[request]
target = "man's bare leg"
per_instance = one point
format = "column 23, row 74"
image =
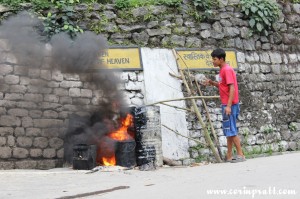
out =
column 229, row 148
column 237, row 143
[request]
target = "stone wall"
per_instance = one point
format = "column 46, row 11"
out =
column 35, row 105
column 268, row 76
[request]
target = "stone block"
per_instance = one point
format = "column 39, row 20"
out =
column 137, row 101
column 275, row 58
column 5, row 152
column 276, row 69
column 50, row 114
column 10, row 141
column 74, row 92
column 35, row 113
column 18, row 112
column 57, row 76
column 40, row 142
column 6, row 69
column 86, row 93
column 20, row 70
column 4, row 87
column 265, row 58
column 36, row 153
column 56, row 143
column 7, row 165
column 18, row 89
column 293, row 58
column 46, row 164
column 48, row 105
column 24, row 142
column 49, row 153
column 38, row 89
column 70, row 108
column 188, row 162
column 133, row 86
column 293, row 146
column 46, row 123
column 2, row 141
column 223, row 141
column 70, row 84
column 11, row 79
column 13, row 96
column 20, row 153
column 81, row 101
column 98, row 93
column 33, row 72
column 63, row 114
column 26, row 164
column 60, row 153
column 53, row 84
column 65, row 100
column 46, row 74
column 29, row 105
column 241, row 57
column 156, row 32
column 33, row 132
column 51, row 98
column 38, row 82
column 53, row 132
column 8, row 120
column 71, row 77
column 27, row 122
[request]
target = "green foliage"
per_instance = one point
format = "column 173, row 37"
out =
column 295, row 1
column 267, row 129
column 292, row 126
column 205, row 6
column 261, row 13
column 122, row 4
column 62, row 20
column 99, row 26
column 36, row 4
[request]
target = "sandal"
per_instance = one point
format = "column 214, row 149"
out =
column 229, row 160
column 238, row 158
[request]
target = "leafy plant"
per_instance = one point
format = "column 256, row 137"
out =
column 292, row 126
column 122, row 4
column 36, row 4
column 205, row 6
column 63, row 19
column 267, row 129
column 262, row 14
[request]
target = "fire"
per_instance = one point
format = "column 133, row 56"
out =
column 121, row 134
column 109, row 161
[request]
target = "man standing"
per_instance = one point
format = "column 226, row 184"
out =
column 229, row 95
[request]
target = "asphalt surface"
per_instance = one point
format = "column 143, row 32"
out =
column 268, row 177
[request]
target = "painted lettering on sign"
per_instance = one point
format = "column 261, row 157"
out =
column 201, row 59
column 122, row 58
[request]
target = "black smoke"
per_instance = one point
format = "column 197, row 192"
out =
column 78, row 56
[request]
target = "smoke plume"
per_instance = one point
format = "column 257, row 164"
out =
column 78, row 56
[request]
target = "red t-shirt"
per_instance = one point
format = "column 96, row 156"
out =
column 227, row 76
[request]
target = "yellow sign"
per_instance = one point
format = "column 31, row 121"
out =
column 122, row 58
column 201, row 59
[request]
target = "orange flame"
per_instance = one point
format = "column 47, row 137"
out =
column 122, row 134
column 119, row 135
column 109, row 161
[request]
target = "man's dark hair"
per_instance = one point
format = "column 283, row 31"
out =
column 219, row 53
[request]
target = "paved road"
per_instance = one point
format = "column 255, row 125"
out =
column 269, row 177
